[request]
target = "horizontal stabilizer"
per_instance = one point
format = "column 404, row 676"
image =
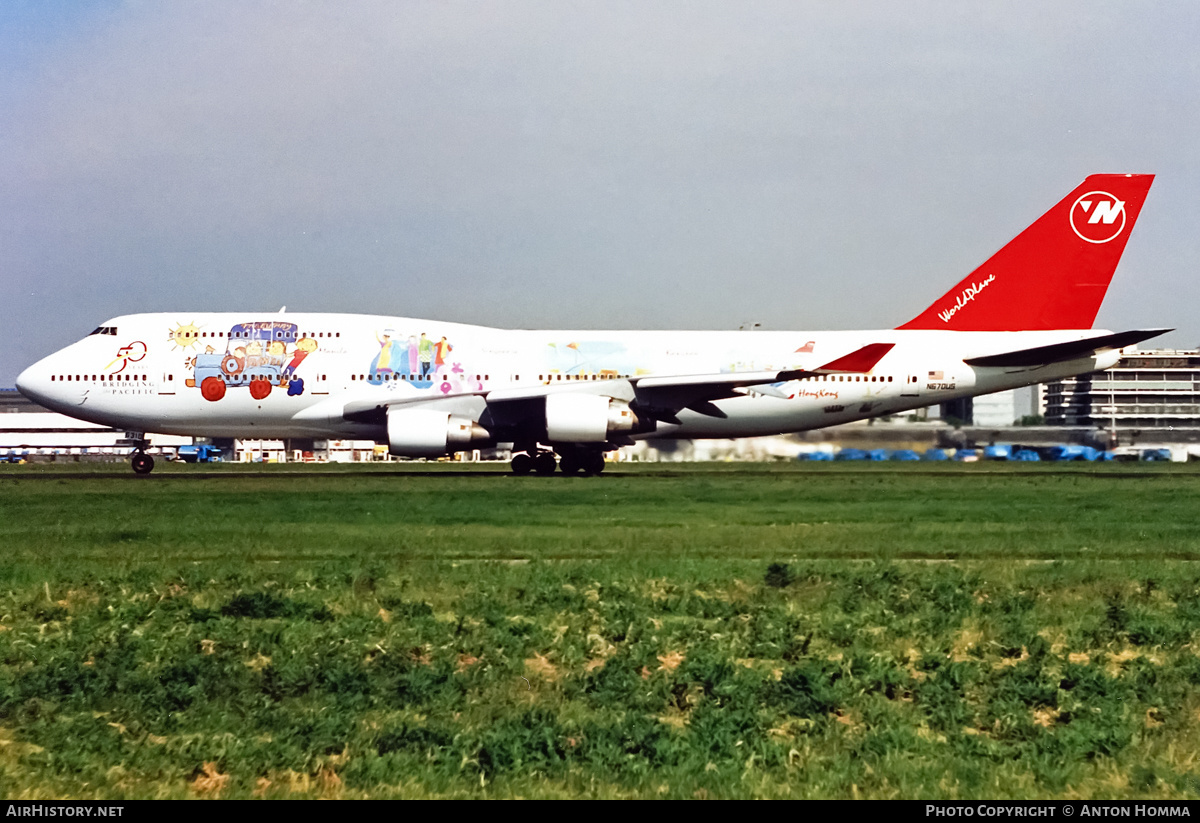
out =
column 858, row 362
column 1073, row 350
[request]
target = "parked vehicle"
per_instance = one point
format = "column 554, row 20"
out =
column 198, row 454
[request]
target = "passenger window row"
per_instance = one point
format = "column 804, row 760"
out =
column 103, row 378
column 600, row 376
column 846, row 378
column 280, row 335
column 415, row 378
column 831, row 378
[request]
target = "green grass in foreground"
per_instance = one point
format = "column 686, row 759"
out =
column 353, row 635
column 677, row 513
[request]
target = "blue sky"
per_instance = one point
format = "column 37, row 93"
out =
column 575, row 165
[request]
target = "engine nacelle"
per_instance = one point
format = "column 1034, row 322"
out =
column 426, row 433
column 586, row 418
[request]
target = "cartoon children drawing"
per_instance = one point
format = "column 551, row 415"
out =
column 413, row 360
column 304, row 347
column 425, row 350
column 391, row 357
column 254, row 356
column 440, row 350
column 276, row 352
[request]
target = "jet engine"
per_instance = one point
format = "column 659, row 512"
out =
column 586, row 418
column 427, row 433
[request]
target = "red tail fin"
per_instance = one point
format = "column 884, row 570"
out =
column 1054, row 274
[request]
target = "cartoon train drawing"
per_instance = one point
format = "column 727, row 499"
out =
column 258, row 355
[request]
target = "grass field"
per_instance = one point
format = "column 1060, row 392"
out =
column 691, row 631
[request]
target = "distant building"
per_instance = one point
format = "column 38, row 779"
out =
column 1148, row 395
column 36, row 434
column 958, row 412
column 13, row 402
column 28, row 431
column 1030, row 401
column 995, row 410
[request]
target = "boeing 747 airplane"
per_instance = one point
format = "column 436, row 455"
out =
column 428, row 388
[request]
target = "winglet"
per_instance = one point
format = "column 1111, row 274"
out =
column 860, row 361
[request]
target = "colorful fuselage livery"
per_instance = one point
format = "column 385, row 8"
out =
column 427, row 388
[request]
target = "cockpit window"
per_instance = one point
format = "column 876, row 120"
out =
column 105, row 330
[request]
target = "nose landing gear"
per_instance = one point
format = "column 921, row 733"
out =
column 141, row 462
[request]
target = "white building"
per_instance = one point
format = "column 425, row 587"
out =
column 1148, row 393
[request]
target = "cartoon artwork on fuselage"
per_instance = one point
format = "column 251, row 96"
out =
column 257, row 355
column 184, row 336
column 417, row 361
column 594, row 358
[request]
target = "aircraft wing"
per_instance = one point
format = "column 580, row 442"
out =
column 661, row 397
column 1072, row 350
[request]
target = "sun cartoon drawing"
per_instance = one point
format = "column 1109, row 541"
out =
column 185, row 335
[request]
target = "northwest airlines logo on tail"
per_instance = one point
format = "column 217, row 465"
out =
column 1098, row 217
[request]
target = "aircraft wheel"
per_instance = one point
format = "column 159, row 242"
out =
column 212, row 388
column 569, row 464
column 593, row 463
column 522, row 464
column 544, row 464
column 260, row 389
column 142, row 463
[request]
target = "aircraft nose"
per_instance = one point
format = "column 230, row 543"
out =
column 30, row 383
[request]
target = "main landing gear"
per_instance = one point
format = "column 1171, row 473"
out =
column 541, row 462
column 582, row 461
column 573, row 461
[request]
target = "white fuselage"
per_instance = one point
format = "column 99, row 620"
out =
column 147, row 372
